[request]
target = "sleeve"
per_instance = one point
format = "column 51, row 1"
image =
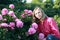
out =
column 54, row 28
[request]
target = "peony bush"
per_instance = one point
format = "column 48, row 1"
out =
column 14, row 26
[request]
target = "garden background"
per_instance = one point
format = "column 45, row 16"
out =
column 50, row 7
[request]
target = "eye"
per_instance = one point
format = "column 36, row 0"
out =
column 35, row 13
column 38, row 12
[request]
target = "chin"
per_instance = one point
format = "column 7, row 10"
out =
column 38, row 18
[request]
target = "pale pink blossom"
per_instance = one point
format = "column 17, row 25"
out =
column 11, row 6
column 11, row 13
column 44, row 39
column 41, row 36
column 31, row 31
column 0, row 25
column 4, row 19
column 12, row 24
column 19, row 24
column 12, row 28
column 29, row 13
column 1, row 17
column 4, row 25
column 26, row 11
column 23, row 15
column 14, row 16
column 34, row 25
column 4, row 11
column 26, row 33
column 17, row 20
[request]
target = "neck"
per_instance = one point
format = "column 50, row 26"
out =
column 41, row 20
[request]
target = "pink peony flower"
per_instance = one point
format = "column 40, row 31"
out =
column 4, row 25
column 11, row 13
column 44, row 39
column 26, row 11
column 14, row 17
column 26, row 33
column 29, row 13
column 0, row 25
column 23, row 15
column 17, row 20
column 4, row 19
column 12, row 24
column 35, row 25
column 12, row 28
column 4, row 11
column 1, row 17
column 11, row 6
column 31, row 31
column 41, row 36
column 19, row 24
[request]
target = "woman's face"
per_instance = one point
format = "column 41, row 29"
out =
column 38, row 14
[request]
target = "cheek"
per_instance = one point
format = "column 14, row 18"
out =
column 40, row 15
column 37, row 15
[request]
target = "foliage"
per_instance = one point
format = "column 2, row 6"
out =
column 52, row 9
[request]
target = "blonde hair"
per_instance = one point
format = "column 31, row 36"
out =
column 33, row 14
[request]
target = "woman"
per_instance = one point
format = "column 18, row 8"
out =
column 46, row 25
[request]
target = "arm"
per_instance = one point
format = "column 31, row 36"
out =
column 54, row 28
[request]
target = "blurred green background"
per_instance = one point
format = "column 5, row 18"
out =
column 50, row 7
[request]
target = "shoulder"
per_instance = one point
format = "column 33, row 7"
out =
column 49, row 19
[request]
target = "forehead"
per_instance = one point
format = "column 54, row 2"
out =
column 37, row 10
